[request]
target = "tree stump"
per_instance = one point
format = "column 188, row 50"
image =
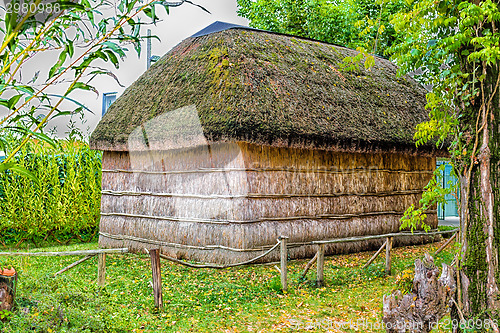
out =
column 430, row 299
column 8, row 279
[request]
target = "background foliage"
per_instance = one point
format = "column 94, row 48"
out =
column 349, row 23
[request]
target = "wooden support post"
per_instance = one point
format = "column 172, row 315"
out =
column 283, row 260
column 74, row 264
column 309, row 265
column 101, row 269
column 63, row 253
column 375, row 255
column 388, row 248
column 445, row 244
column 320, row 265
column 156, row 270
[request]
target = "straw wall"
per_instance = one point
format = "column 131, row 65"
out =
column 228, row 202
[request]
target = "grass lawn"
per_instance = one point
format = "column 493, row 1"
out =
column 246, row 299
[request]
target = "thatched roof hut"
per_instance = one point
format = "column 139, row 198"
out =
column 237, row 136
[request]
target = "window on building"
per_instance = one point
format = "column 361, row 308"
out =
column 450, row 209
column 107, row 100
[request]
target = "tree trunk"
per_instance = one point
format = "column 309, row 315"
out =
column 479, row 166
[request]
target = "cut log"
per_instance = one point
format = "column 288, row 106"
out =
column 7, row 290
column 430, row 299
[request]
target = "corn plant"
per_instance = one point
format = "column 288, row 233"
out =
column 62, row 203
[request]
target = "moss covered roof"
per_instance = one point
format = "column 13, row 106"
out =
column 267, row 88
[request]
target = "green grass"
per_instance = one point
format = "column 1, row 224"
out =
column 245, row 299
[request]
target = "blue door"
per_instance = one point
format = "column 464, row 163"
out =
column 447, row 179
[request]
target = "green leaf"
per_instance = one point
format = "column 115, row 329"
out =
column 414, row 52
column 40, row 136
column 70, row 48
column 115, row 47
column 13, row 101
column 100, row 54
column 80, row 105
column 19, row 169
column 62, row 114
column 4, row 144
column 130, row 6
column 136, row 30
column 70, row 5
column 25, row 89
column 82, row 86
column 62, row 57
column 369, row 62
column 112, row 57
column 151, row 12
column 148, row 12
column 137, row 47
column 432, row 42
column 89, row 10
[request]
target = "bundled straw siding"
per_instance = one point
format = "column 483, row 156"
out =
column 243, row 196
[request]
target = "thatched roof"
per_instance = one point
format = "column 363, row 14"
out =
column 273, row 89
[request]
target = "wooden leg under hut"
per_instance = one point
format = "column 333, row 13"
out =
column 156, row 272
column 320, row 266
column 283, row 262
column 101, row 269
column 388, row 248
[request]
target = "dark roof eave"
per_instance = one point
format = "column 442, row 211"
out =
column 350, row 146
